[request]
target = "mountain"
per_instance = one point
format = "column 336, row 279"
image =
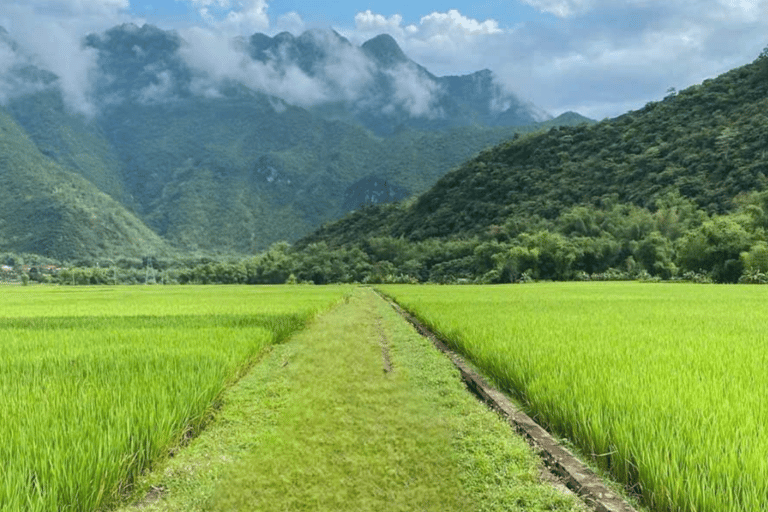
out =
column 229, row 146
column 706, row 144
column 48, row 210
column 390, row 90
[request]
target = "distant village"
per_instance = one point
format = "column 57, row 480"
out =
column 25, row 273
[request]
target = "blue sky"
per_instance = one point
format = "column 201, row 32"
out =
column 598, row 57
column 342, row 13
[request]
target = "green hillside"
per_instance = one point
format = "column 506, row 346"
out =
column 709, row 143
column 676, row 187
column 236, row 174
column 74, row 143
column 48, row 210
column 216, row 167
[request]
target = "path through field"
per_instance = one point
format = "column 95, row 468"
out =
column 359, row 413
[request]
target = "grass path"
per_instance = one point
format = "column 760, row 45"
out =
column 355, row 413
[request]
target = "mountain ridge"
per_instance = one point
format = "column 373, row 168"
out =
column 212, row 164
column 705, row 143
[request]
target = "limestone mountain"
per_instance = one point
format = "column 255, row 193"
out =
column 230, row 153
column 49, row 210
column 706, row 144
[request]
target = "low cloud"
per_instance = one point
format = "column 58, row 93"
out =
column 11, row 64
column 415, row 93
column 345, row 73
column 598, row 57
column 160, row 91
column 51, row 33
column 217, row 59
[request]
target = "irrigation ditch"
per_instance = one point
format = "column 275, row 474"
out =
column 560, row 461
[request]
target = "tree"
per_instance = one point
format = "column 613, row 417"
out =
column 756, row 260
column 655, row 254
column 716, row 247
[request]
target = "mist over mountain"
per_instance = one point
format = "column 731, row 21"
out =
column 228, row 145
column 375, row 85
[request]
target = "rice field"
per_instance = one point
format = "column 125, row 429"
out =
column 663, row 385
column 97, row 383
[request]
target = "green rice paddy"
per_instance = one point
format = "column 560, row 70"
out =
column 664, row 385
column 97, row 383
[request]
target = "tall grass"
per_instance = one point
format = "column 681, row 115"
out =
column 663, row 385
column 97, row 383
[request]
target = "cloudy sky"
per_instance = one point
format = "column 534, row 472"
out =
column 598, row 57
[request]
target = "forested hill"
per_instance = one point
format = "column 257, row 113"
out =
column 48, row 209
column 676, row 190
column 709, row 143
column 224, row 164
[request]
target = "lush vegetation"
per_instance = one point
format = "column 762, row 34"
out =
column 225, row 174
column 662, row 385
column 48, row 209
column 97, row 384
column 610, row 242
column 675, row 189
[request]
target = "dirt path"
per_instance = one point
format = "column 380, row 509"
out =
column 358, row 412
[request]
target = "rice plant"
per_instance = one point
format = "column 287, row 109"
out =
column 663, row 385
column 98, row 383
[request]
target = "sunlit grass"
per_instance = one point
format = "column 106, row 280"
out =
column 97, row 383
column 665, row 385
column 319, row 424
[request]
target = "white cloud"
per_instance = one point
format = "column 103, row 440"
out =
column 290, row 22
column 444, row 42
column 208, row 3
column 367, row 22
column 65, row 8
column 347, row 70
column 599, row 56
column 160, row 91
column 561, row 8
column 251, row 17
column 11, row 83
column 454, row 23
column 415, row 92
column 51, row 32
column 217, row 59
column 242, row 17
column 436, row 26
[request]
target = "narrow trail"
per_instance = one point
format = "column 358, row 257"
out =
column 358, row 412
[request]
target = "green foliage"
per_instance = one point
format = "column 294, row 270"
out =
column 223, row 175
column 756, row 259
column 706, row 144
column 716, row 247
column 48, row 210
column 675, row 190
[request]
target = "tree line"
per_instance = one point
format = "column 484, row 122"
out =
column 611, row 241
